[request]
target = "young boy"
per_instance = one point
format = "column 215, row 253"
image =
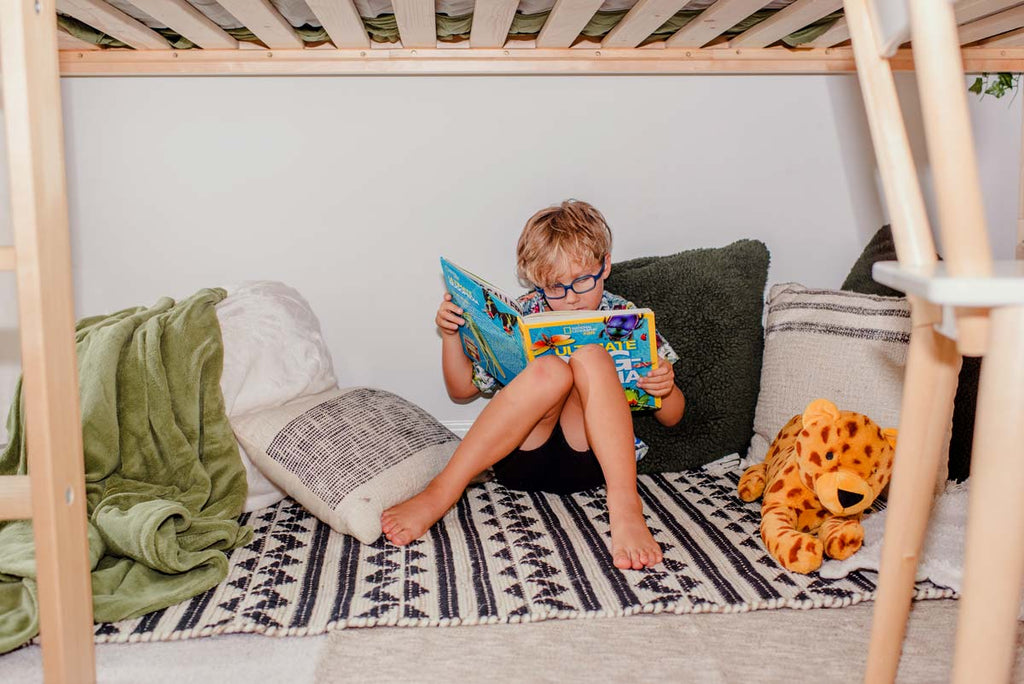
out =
column 556, row 427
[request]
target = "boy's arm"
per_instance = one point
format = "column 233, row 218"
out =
column 660, row 382
column 672, row 408
column 455, row 366
column 457, row 369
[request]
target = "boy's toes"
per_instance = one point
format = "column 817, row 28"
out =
column 398, row 535
column 622, row 560
column 635, row 557
column 390, row 530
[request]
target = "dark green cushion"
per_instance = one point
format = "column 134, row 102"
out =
column 707, row 303
column 882, row 248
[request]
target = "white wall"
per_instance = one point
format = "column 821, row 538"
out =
column 350, row 188
column 997, row 126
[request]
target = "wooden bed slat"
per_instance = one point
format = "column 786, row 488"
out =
column 188, row 22
column 342, row 22
column 713, row 22
column 491, row 22
column 838, row 33
column 1013, row 39
column 114, row 22
column 642, row 20
column 567, row 19
column 785, row 21
column 15, row 497
column 968, row 10
column 66, row 41
column 7, row 259
column 266, row 23
column 417, row 23
column 992, row 25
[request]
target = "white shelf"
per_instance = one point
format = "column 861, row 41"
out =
column 1004, row 287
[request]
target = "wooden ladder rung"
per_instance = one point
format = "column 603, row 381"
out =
column 7, row 259
column 15, row 497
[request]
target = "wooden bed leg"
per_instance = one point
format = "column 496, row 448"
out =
column 994, row 552
column 53, row 427
column 930, row 384
column 1018, row 250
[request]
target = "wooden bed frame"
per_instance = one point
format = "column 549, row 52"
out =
column 981, row 300
column 993, row 29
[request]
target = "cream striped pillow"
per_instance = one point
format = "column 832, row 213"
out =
column 846, row 347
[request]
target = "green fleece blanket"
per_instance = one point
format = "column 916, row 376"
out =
column 164, row 482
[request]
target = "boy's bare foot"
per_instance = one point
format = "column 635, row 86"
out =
column 633, row 546
column 411, row 519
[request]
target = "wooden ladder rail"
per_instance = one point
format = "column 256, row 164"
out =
column 933, row 362
column 982, row 314
column 53, row 494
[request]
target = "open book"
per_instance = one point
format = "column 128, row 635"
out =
column 501, row 339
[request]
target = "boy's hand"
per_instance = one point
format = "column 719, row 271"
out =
column 449, row 316
column 660, row 381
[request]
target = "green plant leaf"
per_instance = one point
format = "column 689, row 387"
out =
column 996, row 85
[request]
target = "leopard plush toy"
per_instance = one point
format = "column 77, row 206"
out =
column 823, row 469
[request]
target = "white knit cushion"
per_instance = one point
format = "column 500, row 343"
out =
column 846, row 347
column 347, row 454
column 274, row 353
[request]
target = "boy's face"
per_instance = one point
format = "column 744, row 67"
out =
column 568, row 272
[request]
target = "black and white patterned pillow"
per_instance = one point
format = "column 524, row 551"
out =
column 846, row 347
column 347, row 454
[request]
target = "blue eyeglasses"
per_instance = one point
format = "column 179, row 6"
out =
column 579, row 286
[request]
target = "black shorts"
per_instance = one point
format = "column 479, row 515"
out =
column 553, row 467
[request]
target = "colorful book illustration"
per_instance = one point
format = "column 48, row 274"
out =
column 501, row 339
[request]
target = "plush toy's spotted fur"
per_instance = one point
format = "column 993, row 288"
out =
column 823, row 469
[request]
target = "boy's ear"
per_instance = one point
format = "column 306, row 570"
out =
column 607, row 265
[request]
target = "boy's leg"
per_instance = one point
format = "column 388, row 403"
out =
column 596, row 413
column 522, row 414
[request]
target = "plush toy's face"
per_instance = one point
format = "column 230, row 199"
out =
column 844, row 457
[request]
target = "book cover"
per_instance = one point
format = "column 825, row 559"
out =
column 498, row 337
column 493, row 333
column 626, row 334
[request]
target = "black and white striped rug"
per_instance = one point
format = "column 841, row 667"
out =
column 501, row 556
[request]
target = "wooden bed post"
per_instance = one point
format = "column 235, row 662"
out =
column 986, row 299
column 933, row 363
column 1019, row 247
column 42, row 259
column 994, row 551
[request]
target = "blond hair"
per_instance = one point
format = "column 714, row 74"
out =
column 573, row 230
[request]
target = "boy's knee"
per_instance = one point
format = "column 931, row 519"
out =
column 552, row 372
column 591, row 356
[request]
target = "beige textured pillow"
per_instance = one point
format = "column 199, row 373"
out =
column 846, row 347
column 347, row 454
